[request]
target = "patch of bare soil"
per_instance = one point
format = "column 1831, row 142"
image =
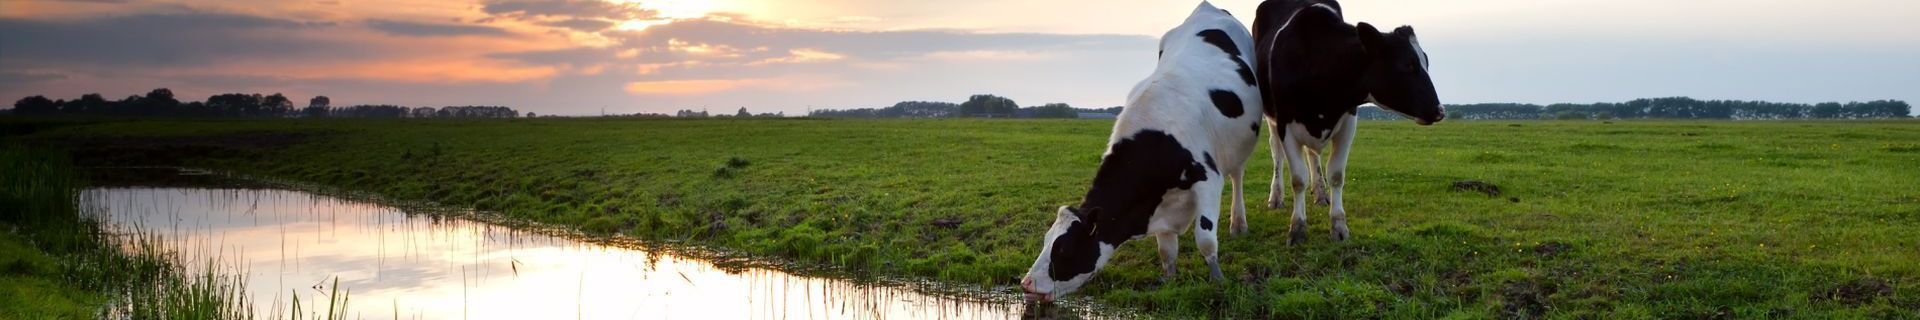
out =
column 1483, row 187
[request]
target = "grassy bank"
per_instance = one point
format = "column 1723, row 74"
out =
column 1615, row 220
column 57, row 263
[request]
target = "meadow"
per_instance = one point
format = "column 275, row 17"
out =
column 1619, row 220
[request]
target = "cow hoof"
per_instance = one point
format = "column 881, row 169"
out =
column 1217, row 276
column 1238, row 229
column 1339, row 231
column 1273, row 203
column 1297, row 236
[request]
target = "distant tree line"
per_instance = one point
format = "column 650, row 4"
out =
column 976, row 106
column 1669, row 108
column 703, row 114
column 162, row 103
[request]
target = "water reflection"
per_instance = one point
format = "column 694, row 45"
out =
column 424, row 267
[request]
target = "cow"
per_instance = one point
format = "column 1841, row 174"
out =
column 1315, row 70
column 1185, row 132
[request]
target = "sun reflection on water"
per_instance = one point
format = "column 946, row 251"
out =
column 427, row 267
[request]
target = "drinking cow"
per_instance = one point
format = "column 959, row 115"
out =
column 1185, row 133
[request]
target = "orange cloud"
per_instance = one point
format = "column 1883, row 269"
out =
column 685, row 87
column 711, row 86
column 409, row 70
column 801, row 56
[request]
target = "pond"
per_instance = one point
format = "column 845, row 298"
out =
column 392, row 263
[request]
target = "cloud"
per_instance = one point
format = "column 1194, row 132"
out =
column 417, row 29
column 149, row 40
column 165, row 46
column 20, row 78
column 989, row 55
column 566, row 9
column 673, row 64
column 789, row 84
column 714, row 43
column 582, row 25
column 861, row 44
column 568, row 56
column 802, row 56
column 684, row 87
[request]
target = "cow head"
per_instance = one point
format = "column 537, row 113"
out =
column 1396, row 77
column 1069, row 255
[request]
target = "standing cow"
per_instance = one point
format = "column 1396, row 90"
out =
column 1184, row 129
column 1315, row 70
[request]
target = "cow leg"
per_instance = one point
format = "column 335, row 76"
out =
column 1319, row 177
column 1169, row 248
column 1337, row 167
column 1207, row 204
column 1239, row 224
column 1279, row 150
column 1297, row 168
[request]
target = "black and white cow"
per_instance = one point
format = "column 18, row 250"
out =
column 1315, row 70
column 1185, row 132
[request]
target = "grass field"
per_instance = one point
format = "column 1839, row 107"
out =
column 1595, row 220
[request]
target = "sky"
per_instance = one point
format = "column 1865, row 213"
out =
column 585, row 57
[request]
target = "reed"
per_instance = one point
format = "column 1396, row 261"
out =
column 128, row 275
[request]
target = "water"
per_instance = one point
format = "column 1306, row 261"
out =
column 411, row 266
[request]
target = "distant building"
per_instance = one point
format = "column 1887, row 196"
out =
column 1098, row 115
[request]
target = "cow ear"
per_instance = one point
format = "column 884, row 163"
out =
column 1370, row 37
column 1404, row 30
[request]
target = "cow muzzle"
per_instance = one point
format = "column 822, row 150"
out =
column 1436, row 119
column 1026, row 285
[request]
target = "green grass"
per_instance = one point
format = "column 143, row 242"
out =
column 58, row 263
column 30, row 286
column 1621, row 220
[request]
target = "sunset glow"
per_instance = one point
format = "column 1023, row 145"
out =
column 676, row 9
column 558, row 56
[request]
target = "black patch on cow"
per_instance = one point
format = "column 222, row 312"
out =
column 1256, row 127
column 1228, row 103
column 1133, row 177
column 1206, row 224
column 1246, row 73
column 1310, row 71
column 1209, row 157
column 1220, row 40
column 1074, row 252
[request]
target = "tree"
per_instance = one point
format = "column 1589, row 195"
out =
column 531, row 115
column 1055, row 110
column 421, row 112
column 1827, row 110
column 320, row 102
column 234, row 104
column 318, row 107
column 88, row 103
column 159, row 102
column 35, row 105
column 987, row 105
column 743, row 113
column 276, row 105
